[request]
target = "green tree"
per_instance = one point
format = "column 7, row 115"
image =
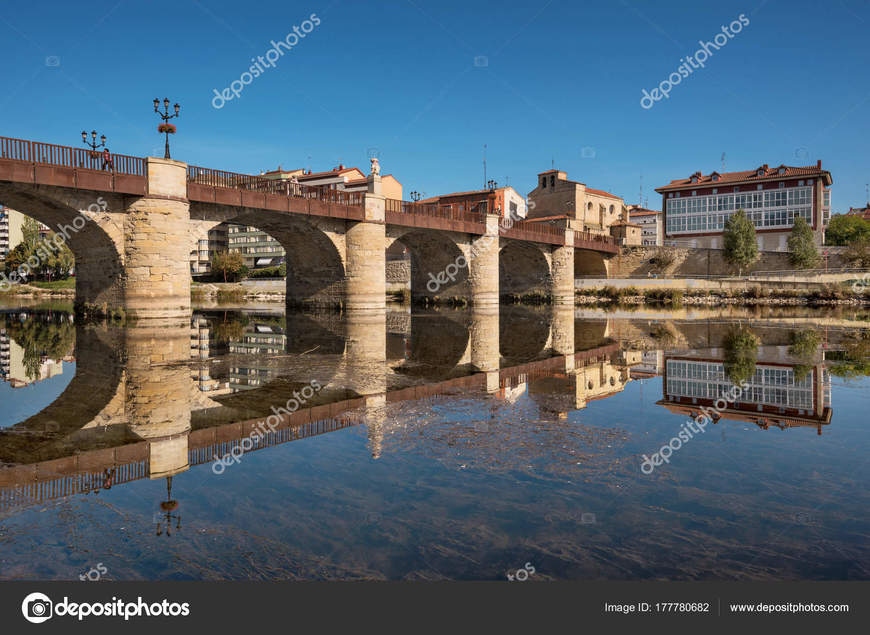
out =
column 741, row 249
column 228, row 264
column 803, row 252
column 846, row 228
column 741, row 354
column 858, row 252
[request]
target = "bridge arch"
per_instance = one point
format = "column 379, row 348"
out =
column 92, row 228
column 523, row 269
column 588, row 263
column 439, row 264
column 314, row 249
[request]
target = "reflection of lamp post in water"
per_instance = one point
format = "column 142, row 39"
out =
column 167, row 507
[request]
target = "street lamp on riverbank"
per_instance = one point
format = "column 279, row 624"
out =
column 166, row 127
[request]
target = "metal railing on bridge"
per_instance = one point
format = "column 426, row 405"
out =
column 448, row 212
column 281, row 187
column 36, row 152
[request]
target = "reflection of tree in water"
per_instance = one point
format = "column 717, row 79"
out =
column 804, row 347
column 42, row 336
column 513, row 437
column 741, row 354
column 230, row 328
column 854, row 361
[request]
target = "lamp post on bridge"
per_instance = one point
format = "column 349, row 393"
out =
column 166, row 127
column 93, row 145
column 415, row 196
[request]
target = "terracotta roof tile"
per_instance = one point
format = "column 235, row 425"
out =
column 589, row 190
column 759, row 174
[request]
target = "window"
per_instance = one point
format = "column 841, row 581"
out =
column 781, row 184
column 552, row 180
column 611, row 209
column 543, row 181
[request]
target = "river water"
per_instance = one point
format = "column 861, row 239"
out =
column 257, row 444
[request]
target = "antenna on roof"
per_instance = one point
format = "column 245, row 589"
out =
column 723, row 161
column 867, row 190
column 640, row 191
column 484, row 166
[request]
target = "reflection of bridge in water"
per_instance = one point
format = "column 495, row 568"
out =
column 134, row 410
column 136, row 407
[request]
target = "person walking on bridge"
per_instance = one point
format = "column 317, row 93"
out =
column 107, row 161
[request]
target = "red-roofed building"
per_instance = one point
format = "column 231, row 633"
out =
column 863, row 212
column 501, row 200
column 585, row 208
column 696, row 208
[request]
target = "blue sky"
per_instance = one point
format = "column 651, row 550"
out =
column 561, row 81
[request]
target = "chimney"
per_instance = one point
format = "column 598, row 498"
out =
column 819, row 163
column 764, row 166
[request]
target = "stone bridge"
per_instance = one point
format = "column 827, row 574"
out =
column 133, row 225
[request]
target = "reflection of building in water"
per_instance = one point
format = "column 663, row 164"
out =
column 780, row 394
column 259, row 339
column 5, row 360
column 599, row 381
column 514, row 388
column 651, row 365
column 200, row 349
column 573, row 390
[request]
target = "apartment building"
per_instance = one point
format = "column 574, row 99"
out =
column 216, row 241
column 11, row 230
column 696, row 208
column 650, row 221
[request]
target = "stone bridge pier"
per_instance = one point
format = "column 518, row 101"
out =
column 131, row 252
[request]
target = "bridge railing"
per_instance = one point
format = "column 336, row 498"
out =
column 434, row 210
column 580, row 237
column 284, row 187
column 37, row 152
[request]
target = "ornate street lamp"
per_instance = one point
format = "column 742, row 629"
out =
column 93, row 145
column 415, row 196
column 491, row 185
column 166, row 127
column 167, row 507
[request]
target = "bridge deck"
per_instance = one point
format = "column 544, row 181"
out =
column 37, row 163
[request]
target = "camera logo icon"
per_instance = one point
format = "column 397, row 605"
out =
column 36, row 608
